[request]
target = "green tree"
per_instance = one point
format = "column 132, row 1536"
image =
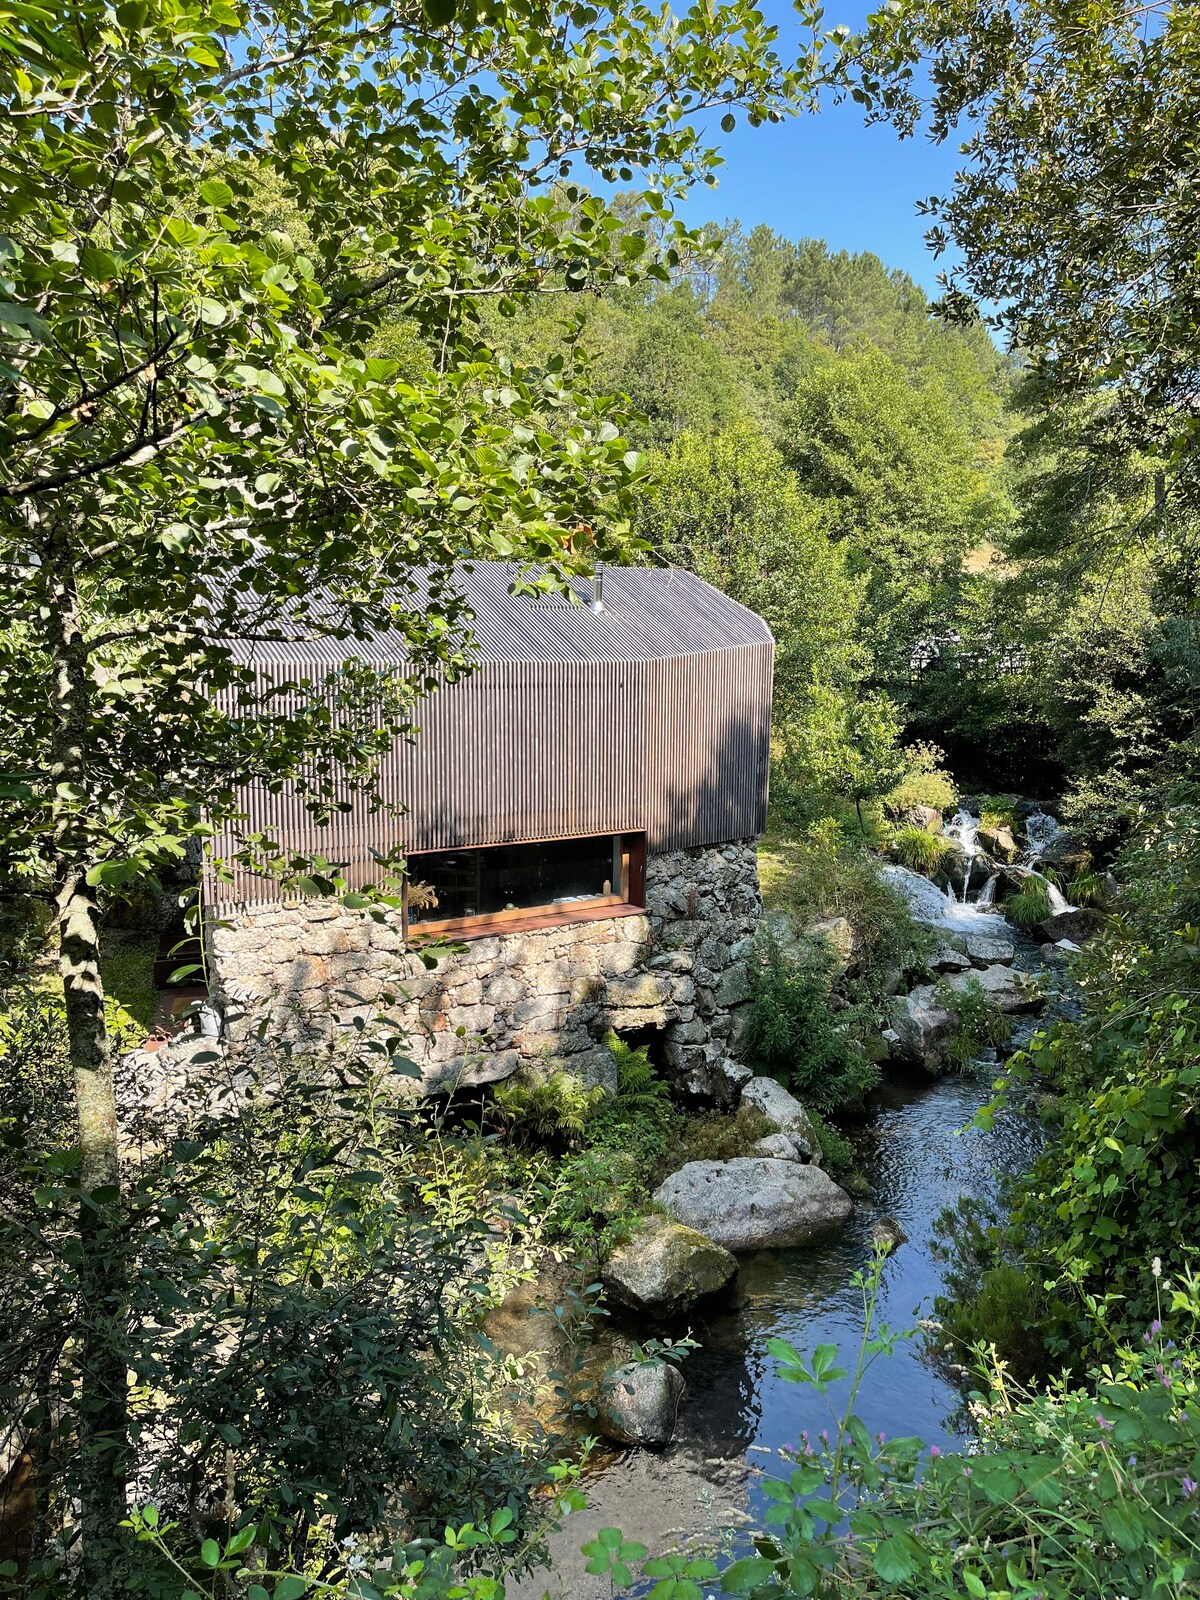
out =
column 728, row 509
column 903, row 486
column 1071, row 215
column 202, row 442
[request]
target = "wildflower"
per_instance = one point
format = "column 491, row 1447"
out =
column 1133, row 1461
column 1187, row 1487
column 881, row 1436
column 934, row 1450
column 1156, row 1266
column 1104, row 1423
column 1156, row 1326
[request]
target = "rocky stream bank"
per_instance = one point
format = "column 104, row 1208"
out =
column 764, row 1244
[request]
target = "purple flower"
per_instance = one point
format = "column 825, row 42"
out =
column 1187, row 1487
column 1133, row 1461
column 934, row 1450
column 1155, row 1326
column 881, row 1436
column 1105, row 1423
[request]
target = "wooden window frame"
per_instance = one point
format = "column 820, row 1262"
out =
column 630, row 902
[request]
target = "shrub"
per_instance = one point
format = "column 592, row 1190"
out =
column 636, row 1127
column 977, row 1023
column 997, row 811
column 837, row 1153
column 721, row 1136
column 919, row 849
column 820, row 875
column 1087, row 889
column 790, row 1032
column 1029, row 906
column 300, row 1323
column 925, row 781
column 1078, row 1492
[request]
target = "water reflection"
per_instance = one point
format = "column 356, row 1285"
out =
column 920, row 1155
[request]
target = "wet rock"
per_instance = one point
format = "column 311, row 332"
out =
column 665, row 1268
column 985, row 950
column 1078, row 925
column 946, row 958
column 921, row 1027
column 1067, row 852
column 888, row 1234
column 639, row 1403
column 781, row 1109
column 999, row 844
column 924, row 1025
column 954, row 870
column 1011, row 991
column 754, row 1202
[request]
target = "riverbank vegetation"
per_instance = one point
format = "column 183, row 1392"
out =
column 400, row 331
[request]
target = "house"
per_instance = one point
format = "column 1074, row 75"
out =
column 579, row 818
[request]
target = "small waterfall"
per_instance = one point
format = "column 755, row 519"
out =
column 1041, row 830
column 965, row 913
column 1058, row 900
column 1055, row 898
column 965, row 829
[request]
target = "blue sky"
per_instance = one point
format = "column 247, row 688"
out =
column 828, row 176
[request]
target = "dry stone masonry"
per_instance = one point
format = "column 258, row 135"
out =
column 524, row 999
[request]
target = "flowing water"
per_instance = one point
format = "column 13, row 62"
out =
column 921, row 1154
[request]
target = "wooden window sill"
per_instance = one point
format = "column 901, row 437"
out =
column 521, row 922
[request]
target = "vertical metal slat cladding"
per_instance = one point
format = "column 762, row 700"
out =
column 652, row 715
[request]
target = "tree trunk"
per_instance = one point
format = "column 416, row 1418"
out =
column 103, row 1356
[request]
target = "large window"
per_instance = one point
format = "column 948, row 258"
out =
column 509, row 882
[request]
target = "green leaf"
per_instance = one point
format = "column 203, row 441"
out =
column 290, row 1588
column 215, row 193
column 893, row 1562
column 210, row 1552
column 747, row 1574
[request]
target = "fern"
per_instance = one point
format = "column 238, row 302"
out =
column 551, row 1111
column 639, row 1087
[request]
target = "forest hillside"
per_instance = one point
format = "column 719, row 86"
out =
column 654, row 1203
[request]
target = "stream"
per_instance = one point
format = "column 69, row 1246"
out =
column 920, row 1154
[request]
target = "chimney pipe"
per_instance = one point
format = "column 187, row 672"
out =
column 598, row 590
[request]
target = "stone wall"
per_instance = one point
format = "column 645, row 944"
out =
column 676, row 972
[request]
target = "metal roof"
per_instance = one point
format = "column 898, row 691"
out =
column 648, row 613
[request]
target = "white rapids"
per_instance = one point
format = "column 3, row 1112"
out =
column 943, row 909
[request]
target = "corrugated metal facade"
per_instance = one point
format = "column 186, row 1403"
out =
column 652, row 715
